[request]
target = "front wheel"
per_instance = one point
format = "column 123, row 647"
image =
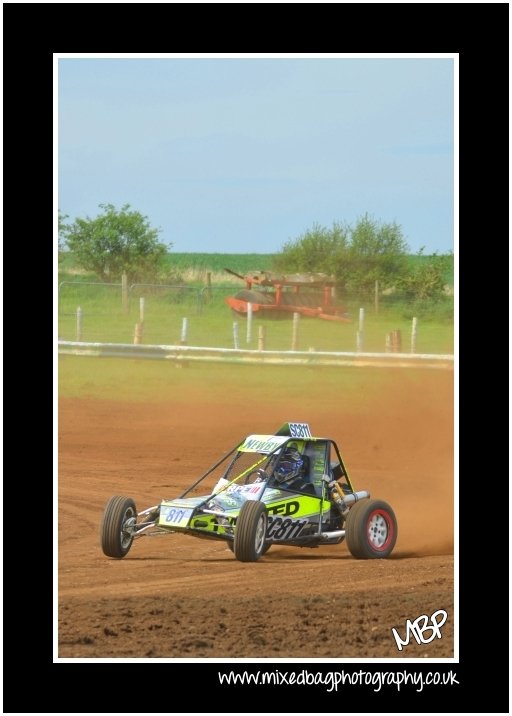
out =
column 116, row 534
column 251, row 528
column 371, row 529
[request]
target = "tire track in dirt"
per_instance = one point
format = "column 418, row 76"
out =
column 401, row 450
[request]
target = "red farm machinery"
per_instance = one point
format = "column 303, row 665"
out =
column 275, row 295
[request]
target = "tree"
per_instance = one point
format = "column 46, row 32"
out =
column 426, row 280
column 378, row 252
column 116, row 242
column 314, row 251
column 63, row 228
column 356, row 257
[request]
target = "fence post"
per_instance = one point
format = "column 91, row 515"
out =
column 249, row 322
column 235, row 336
column 137, row 336
column 183, row 342
column 200, row 301
column 261, row 338
column 376, row 298
column 79, row 317
column 396, row 341
column 209, row 285
column 295, row 331
column 184, row 332
column 388, row 342
column 360, row 332
column 141, row 309
column 124, row 291
column 414, row 334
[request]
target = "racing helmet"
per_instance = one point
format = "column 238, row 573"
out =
column 290, row 465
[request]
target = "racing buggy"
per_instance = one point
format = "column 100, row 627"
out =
column 289, row 488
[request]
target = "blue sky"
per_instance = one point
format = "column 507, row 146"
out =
column 241, row 155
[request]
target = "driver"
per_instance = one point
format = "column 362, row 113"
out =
column 292, row 469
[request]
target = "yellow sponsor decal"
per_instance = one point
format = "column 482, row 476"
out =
column 297, row 506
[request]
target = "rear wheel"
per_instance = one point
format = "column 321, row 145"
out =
column 116, row 535
column 371, row 529
column 251, row 529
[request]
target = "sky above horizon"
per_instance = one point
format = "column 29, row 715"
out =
column 241, row 155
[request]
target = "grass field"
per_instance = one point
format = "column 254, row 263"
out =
column 194, row 266
column 210, row 320
column 213, row 326
column 159, row 381
column 190, row 267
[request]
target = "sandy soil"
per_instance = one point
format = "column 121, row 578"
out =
column 180, row 597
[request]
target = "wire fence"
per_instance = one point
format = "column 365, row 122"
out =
column 155, row 314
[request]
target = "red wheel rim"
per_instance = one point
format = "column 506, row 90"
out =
column 380, row 530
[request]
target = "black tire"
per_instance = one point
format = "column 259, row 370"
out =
column 250, row 531
column 371, row 529
column 115, row 540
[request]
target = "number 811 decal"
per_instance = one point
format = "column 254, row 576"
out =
column 279, row 528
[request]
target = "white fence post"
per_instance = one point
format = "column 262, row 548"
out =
column 184, row 332
column 295, row 331
column 141, row 309
column 124, row 291
column 414, row 334
column 249, row 322
column 235, row 336
column 360, row 332
column 79, row 319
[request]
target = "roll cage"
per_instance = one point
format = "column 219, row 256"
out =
column 256, row 458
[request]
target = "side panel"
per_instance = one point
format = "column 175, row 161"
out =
column 294, row 505
column 289, row 517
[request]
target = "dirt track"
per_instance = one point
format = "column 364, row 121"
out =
column 179, row 597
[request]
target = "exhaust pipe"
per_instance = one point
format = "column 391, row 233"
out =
column 355, row 497
column 343, row 501
column 332, row 537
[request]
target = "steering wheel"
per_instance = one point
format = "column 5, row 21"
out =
column 260, row 473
